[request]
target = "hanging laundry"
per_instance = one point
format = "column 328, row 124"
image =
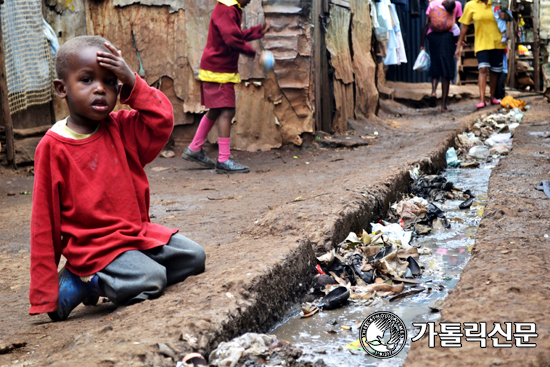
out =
column 383, row 14
column 395, row 54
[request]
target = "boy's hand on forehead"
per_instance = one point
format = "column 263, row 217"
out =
column 114, row 62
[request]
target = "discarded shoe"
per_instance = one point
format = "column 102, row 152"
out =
column 544, row 186
column 335, row 299
column 413, row 266
column 469, row 193
column 194, row 359
column 199, row 157
column 466, row 204
column 231, row 166
column 72, row 291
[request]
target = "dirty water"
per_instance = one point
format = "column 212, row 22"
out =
column 320, row 337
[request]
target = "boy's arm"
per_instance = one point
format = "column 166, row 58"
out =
column 146, row 128
column 232, row 34
column 45, row 233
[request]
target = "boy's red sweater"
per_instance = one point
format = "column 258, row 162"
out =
column 91, row 196
column 226, row 40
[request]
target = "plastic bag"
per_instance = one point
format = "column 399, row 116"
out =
column 422, row 62
column 394, row 231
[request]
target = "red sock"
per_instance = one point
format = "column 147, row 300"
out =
column 224, row 144
column 204, row 128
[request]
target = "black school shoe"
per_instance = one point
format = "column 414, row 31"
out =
column 231, row 166
column 199, row 157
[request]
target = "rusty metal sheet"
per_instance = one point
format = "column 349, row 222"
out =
column 197, row 19
column 345, row 105
column 292, row 125
column 249, row 68
column 163, row 55
column 67, row 19
column 305, row 46
column 344, row 3
column 256, row 127
column 282, row 46
column 293, row 73
column 337, row 39
column 282, row 24
column 174, row 5
column 299, row 100
column 302, row 7
column 366, row 93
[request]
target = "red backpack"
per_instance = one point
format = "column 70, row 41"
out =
column 440, row 19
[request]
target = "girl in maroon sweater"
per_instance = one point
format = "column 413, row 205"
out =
column 219, row 73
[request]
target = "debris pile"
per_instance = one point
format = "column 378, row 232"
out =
column 255, row 350
column 490, row 137
column 367, row 266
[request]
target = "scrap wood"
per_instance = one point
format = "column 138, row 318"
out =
column 223, row 198
column 408, row 293
column 396, row 289
column 404, row 280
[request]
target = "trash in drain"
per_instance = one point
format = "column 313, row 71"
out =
column 405, row 264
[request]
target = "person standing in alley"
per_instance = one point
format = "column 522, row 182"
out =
column 218, row 74
column 488, row 44
column 441, row 29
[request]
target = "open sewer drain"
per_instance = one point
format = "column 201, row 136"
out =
column 321, row 336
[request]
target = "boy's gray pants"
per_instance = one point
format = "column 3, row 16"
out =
column 135, row 276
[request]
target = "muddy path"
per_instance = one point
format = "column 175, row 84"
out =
column 507, row 278
column 260, row 232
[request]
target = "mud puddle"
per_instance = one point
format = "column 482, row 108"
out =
column 322, row 336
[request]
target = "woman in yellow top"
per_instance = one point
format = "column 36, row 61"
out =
column 488, row 46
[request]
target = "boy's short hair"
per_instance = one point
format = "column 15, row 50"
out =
column 68, row 49
column 449, row 5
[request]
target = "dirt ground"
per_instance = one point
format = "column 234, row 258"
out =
column 507, row 278
column 260, row 231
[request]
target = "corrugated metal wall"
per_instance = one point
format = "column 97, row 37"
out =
column 411, row 28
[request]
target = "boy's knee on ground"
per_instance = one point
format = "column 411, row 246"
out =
column 192, row 249
column 148, row 284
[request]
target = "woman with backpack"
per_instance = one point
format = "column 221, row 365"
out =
column 441, row 30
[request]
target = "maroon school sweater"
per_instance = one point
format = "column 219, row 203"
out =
column 226, row 40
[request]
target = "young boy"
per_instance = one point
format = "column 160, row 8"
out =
column 219, row 72
column 91, row 194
